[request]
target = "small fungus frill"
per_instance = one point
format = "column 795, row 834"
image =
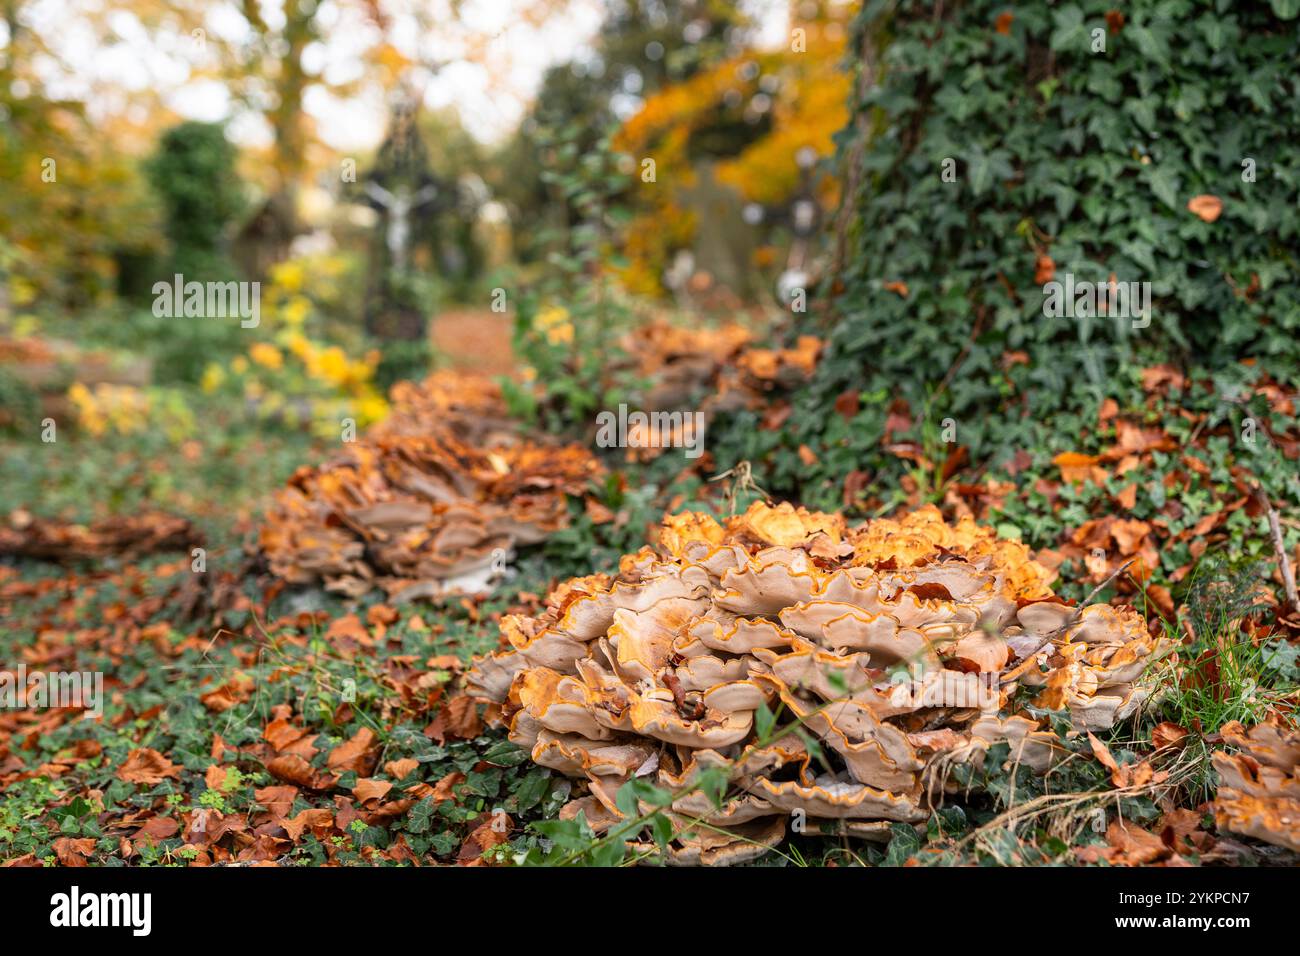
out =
column 897, row 645
column 1259, row 787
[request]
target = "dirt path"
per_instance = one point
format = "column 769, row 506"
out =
column 474, row 340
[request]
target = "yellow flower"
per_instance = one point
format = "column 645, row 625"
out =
column 332, row 365
column 554, row 321
column 296, row 310
column 360, row 370
column 21, row 291
column 288, row 275
column 239, row 365
column 213, row 376
column 550, row 316
column 297, row 343
column 79, row 395
column 371, row 409
column 266, row 355
column 560, row 334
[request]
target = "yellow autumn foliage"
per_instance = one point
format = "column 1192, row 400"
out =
column 808, row 105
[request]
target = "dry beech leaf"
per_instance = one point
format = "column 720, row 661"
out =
column 147, row 766
column 370, row 790
column 1205, row 206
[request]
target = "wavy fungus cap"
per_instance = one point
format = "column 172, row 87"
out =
column 895, row 647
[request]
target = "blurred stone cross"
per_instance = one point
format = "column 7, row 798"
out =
column 403, row 191
column 397, row 207
column 401, row 187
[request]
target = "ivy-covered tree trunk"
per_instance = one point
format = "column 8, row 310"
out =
column 1045, row 200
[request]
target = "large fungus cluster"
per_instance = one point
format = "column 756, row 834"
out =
column 428, row 502
column 886, row 652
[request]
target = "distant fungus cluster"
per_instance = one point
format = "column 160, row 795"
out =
column 708, row 370
column 886, row 652
column 431, row 501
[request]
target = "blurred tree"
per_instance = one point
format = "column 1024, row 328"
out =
column 193, row 172
column 752, row 113
column 71, row 200
column 641, row 46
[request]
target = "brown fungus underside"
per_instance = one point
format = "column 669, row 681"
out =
column 897, row 645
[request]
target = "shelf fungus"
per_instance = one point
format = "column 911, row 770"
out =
column 830, row 675
column 1259, row 787
column 433, row 500
column 708, row 369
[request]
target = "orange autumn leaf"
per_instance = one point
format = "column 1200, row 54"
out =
column 1075, row 466
column 899, row 287
column 147, row 766
column 1206, row 206
column 317, row 818
column 292, row 769
column 443, row 790
column 483, row 838
column 1128, row 497
column 368, row 789
column 399, row 769
column 458, row 718
column 215, row 777
column 157, row 828
column 1003, row 23
column 1167, row 735
column 1045, row 269
column 276, row 799
column 73, row 852
column 355, row 754
column 1103, row 755
column 280, row 734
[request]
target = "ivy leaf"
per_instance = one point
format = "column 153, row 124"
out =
column 1149, row 44
column 1164, row 183
column 1069, row 30
column 981, row 173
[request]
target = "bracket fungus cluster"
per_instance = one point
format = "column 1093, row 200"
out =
column 886, row 652
column 712, row 369
column 429, row 502
column 126, row 536
column 1259, row 787
column 682, row 360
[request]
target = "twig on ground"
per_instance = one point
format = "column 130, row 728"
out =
column 1283, row 563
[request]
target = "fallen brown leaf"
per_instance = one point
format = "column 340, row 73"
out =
column 1206, row 206
column 147, row 766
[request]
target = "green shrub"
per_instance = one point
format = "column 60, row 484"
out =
column 193, row 172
